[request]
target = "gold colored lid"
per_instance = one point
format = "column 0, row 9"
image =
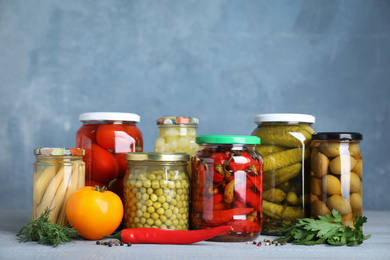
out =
column 154, row 156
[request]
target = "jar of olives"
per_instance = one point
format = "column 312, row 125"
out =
column 226, row 186
column 177, row 135
column 286, row 148
column 336, row 175
column 156, row 191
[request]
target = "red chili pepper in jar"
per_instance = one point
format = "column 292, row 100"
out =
column 219, row 217
column 167, row 236
column 240, row 162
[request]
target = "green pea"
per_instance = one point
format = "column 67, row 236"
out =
column 136, row 220
column 149, row 191
column 179, row 227
column 179, row 191
column 159, row 192
column 149, row 203
column 146, row 215
column 142, row 220
column 175, row 222
column 152, row 177
column 168, row 198
column 158, row 222
column 138, row 225
column 163, row 218
column 171, row 185
column 165, row 205
column 138, row 184
column 181, row 210
column 173, row 217
column 150, row 209
column 139, row 213
column 132, row 214
column 163, row 226
column 163, row 183
column 154, row 216
column 178, row 184
column 144, row 208
column 174, row 202
column 150, row 221
column 179, row 204
column 145, row 196
column 160, row 211
column 153, row 197
column 147, row 225
column 168, row 213
column 161, row 199
column 157, row 205
column 139, row 205
column 168, row 222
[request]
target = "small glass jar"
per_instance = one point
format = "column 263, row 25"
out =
column 226, row 186
column 286, row 148
column 336, row 175
column 157, row 191
column 58, row 172
column 177, row 135
column 106, row 138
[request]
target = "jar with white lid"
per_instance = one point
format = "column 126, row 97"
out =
column 286, row 147
column 106, row 138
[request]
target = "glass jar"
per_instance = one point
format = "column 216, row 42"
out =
column 336, row 175
column 156, row 191
column 58, row 172
column 177, row 135
column 286, row 148
column 226, row 186
column 106, row 138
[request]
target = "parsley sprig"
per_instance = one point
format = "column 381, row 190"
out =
column 44, row 232
column 327, row 229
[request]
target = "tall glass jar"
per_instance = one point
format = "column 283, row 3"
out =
column 286, row 148
column 106, row 138
column 177, row 135
column 157, row 191
column 336, row 175
column 58, row 172
column 226, row 185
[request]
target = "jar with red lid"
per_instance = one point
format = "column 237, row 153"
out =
column 106, row 138
column 226, row 185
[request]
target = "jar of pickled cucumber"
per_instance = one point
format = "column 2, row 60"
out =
column 177, row 135
column 286, row 148
column 58, row 172
column 226, row 186
column 157, row 191
column 336, row 175
column 106, row 138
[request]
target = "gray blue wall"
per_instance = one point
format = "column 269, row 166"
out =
column 221, row 61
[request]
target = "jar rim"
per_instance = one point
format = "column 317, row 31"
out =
column 284, row 117
column 109, row 116
column 179, row 120
column 228, row 139
column 156, row 156
column 57, row 151
column 337, row 136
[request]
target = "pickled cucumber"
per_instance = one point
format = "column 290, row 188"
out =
column 285, row 158
column 274, row 195
column 284, row 212
column 274, row 178
column 265, row 150
column 288, row 136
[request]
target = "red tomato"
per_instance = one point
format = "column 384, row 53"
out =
column 136, row 133
column 113, row 137
column 104, row 166
column 120, row 157
column 94, row 183
column 86, row 135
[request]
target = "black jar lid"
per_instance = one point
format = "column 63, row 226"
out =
column 337, row 136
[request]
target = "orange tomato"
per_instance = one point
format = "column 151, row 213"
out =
column 94, row 213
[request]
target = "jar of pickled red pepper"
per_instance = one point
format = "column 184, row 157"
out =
column 226, row 185
column 58, row 172
column 286, row 148
column 336, row 175
column 177, row 135
column 157, row 191
column 106, row 138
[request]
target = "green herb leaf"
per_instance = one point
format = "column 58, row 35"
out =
column 327, row 229
column 44, row 232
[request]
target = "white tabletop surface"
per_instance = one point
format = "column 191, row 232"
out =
column 377, row 247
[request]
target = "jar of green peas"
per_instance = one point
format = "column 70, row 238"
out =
column 156, row 191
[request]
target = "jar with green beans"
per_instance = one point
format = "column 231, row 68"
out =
column 156, row 191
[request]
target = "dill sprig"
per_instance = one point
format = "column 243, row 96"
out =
column 44, row 232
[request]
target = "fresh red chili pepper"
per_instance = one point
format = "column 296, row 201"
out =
column 213, row 200
column 167, row 236
column 220, row 158
column 244, row 226
column 219, row 217
column 240, row 162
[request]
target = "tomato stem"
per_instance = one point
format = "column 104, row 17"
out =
column 98, row 189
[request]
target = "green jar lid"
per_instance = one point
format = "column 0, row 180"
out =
column 59, row 151
column 227, row 139
column 155, row 156
column 179, row 120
